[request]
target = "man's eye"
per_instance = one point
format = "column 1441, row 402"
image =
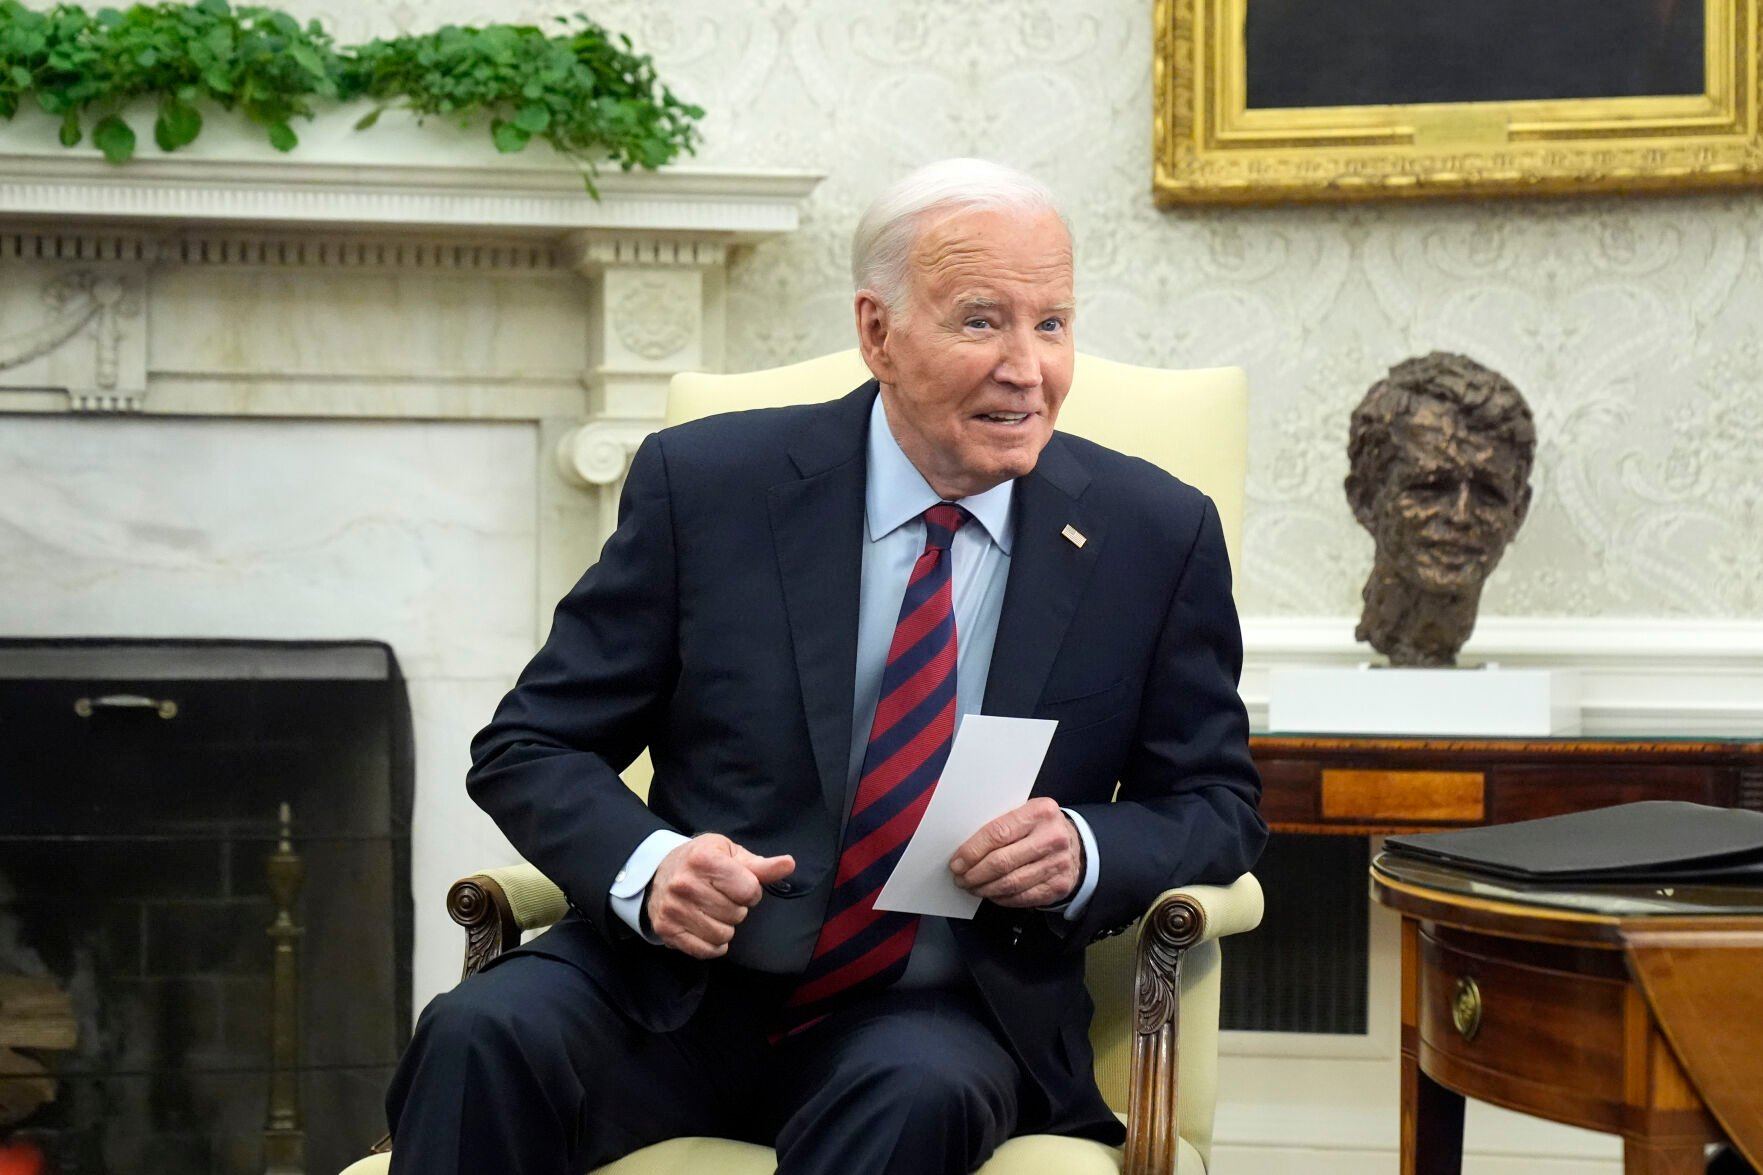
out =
column 1490, row 494
column 1054, row 323
column 978, row 323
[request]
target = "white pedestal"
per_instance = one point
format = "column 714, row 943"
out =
column 1365, row 700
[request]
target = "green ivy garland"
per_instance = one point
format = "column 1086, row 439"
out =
column 583, row 91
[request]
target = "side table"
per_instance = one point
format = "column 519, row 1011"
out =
column 1632, row 1010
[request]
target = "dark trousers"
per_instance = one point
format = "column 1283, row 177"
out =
column 526, row 1069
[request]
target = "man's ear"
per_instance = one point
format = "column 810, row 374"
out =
column 1523, row 506
column 874, row 326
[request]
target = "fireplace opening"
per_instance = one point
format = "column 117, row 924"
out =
column 148, row 877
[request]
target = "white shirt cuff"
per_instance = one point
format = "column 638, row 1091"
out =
column 632, row 881
column 1073, row 907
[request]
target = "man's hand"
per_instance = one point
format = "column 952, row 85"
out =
column 703, row 889
column 1031, row 856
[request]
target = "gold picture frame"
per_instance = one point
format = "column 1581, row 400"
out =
column 1212, row 148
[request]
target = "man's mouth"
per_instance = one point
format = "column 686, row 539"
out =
column 1449, row 549
column 1003, row 417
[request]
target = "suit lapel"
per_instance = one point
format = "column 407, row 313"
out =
column 817, row 531
column 1048, row 572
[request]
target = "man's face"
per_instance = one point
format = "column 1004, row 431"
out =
column 1453, row 502
column 977, row 362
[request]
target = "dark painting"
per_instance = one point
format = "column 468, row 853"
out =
column 1398, row 52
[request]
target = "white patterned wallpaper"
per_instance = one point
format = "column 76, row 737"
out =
column 1635, row 327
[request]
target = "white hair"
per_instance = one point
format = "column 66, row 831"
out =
column 883, row 241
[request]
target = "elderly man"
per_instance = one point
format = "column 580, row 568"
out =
column 794, row 610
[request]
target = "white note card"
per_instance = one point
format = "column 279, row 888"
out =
column 991, row 769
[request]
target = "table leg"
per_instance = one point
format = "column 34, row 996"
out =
column 1432, row 1116
column 1662, row 1158
column 1432, row 1135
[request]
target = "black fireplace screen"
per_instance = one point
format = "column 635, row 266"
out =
column 140, row 783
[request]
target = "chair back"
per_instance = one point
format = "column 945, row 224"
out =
column 1195, row 424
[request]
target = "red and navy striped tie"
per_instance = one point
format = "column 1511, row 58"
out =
column 859, row 947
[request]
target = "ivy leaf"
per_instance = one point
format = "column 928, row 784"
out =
column 282, row 136
column 115, row 138
column 178, row 123
column 21, row 77
column 508, row 137
column 533, row 118
column 306, row 59
column 368, row 119
column 70, row 127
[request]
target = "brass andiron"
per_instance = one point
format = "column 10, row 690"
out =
column 284, row 1142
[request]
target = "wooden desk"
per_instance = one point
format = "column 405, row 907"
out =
column 1630, row 1010
column 1358, row 785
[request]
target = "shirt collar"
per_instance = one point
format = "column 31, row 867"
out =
column 897, row 493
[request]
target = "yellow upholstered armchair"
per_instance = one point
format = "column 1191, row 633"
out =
column 1155, row 1030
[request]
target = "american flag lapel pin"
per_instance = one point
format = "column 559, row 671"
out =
column 1074, row 536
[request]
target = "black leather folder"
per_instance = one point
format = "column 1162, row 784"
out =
column 1653, row 841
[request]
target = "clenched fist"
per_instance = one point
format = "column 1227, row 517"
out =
column 1030, row 856
column 703, row 889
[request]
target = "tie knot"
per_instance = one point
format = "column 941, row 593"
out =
column 940, row 524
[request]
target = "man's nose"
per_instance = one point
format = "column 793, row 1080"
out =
column 1020, row 364
column 1460, row 509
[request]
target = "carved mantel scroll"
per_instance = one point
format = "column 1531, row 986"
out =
column 599, row 452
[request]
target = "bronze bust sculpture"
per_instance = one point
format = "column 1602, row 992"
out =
column 1441, row 452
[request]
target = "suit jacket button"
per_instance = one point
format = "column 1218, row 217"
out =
column 1015, row 935
column 783, row 888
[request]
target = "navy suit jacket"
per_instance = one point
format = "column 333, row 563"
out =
column 719, row 630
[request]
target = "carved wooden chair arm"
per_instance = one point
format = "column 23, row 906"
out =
column 1178, row 921
column 496, row 905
